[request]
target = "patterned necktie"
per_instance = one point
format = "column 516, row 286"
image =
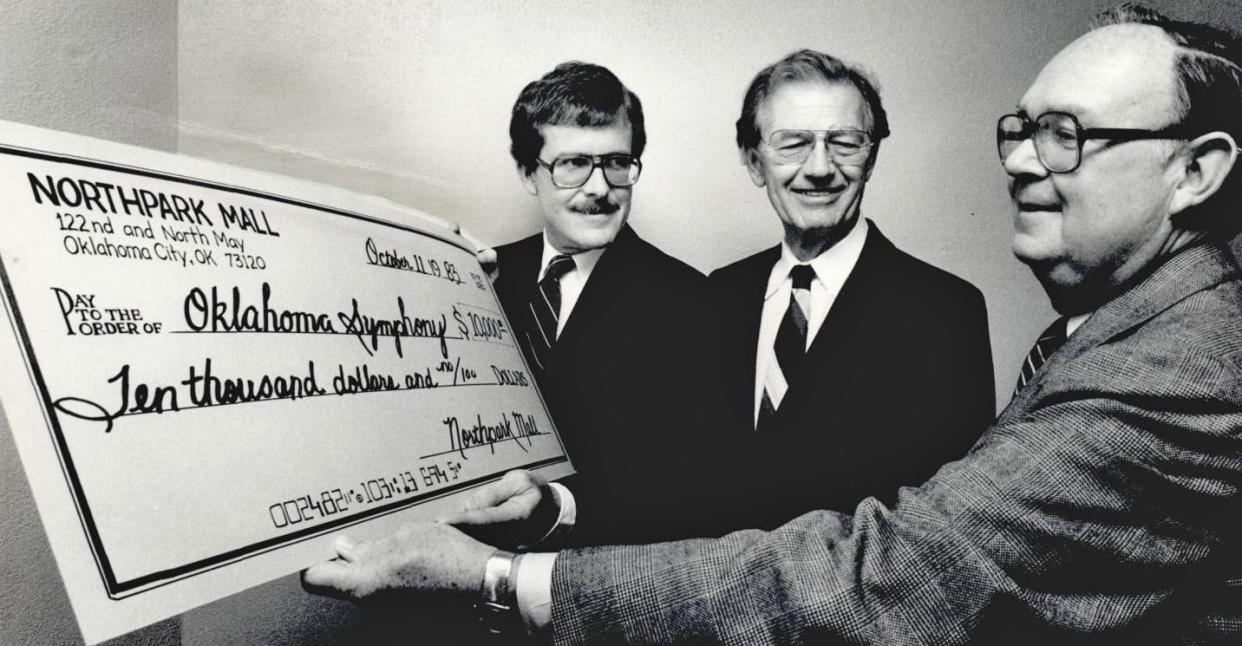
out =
column 790, row 343
column 1048, row 342
column 545, row 309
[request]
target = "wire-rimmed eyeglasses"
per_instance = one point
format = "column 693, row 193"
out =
column 846, row 147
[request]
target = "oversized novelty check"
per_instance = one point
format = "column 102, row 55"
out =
column 209, row 371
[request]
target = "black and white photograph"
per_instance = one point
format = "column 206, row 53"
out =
column 884, row 323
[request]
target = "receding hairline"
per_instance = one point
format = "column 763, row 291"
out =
column 1128, row 33
column 1140, row 46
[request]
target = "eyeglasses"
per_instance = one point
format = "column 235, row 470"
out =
column 1059, row 137
column 573, row 171
column 846, row 147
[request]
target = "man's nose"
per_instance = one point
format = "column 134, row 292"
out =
column 820, row 162
column 1024, row 160
column 596, row 184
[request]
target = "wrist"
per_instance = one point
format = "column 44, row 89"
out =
column 498, row 595
column 498, row 576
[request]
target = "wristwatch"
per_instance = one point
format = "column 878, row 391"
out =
column 498, row 611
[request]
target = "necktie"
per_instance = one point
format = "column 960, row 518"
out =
column 1048, row 342
column 545, row 309
column 790, row 345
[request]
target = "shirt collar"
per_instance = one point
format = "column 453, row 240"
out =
column 831, row 266
column 584, row 261
column 1075, row 322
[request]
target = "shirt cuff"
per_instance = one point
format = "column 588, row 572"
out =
column 533, row 588
column 567, row 515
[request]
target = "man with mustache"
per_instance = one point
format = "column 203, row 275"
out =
column 836, row 329
column 608, row 322
column 1102, row 505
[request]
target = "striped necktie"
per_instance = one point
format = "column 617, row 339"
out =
column 1048, row 342
column 545, row 309
column 790, row 345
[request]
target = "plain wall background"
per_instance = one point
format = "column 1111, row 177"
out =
column 411, row 100
column 107, row 69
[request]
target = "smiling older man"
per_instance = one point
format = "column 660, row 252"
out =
column 836, row 329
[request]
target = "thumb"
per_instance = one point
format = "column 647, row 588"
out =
column 329, row 578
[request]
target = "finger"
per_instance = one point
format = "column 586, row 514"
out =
column 527, row 479
column 493, row 494
column 438, row 221
column 477, row 499
column 346, row 548
column 478, row 245
column 488, row 516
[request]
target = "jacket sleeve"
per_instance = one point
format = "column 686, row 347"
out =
column 948, row 392
column 1092, row 511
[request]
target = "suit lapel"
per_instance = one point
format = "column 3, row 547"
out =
column 1193, row 270
column 837, row 335
column 734, row 305
column 599, row 294
column 750, row 313
column 519, row 269
column 848, row 308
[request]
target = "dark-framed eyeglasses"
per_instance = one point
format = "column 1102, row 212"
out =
column 846, row 147
column 572, row 171
column 1059, row 137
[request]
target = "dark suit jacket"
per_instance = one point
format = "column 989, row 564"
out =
column 1102, row 506
column 621, row 383
column 903, row 354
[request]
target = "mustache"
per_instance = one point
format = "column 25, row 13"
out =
column 594, row 207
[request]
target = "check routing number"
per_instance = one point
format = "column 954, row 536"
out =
column 210, row 371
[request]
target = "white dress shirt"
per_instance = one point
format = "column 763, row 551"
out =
column 831, row 267
column 1074, row 322
column 533, row 580
column 572, row 282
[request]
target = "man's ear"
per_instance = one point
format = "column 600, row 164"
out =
column 754, row 166
column 1210, row 158
column 528, row 180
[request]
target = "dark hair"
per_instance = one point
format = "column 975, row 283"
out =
column 574, row 93
column 1209, row 96
column 807, row 65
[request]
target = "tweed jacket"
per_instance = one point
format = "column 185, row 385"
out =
column 1101, row 507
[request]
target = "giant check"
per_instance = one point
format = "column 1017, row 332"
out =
column 209, row 371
